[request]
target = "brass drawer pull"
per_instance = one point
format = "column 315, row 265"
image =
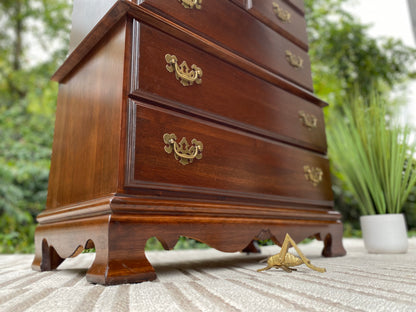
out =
column 281, row 14
column 309, row 120
column 313, row 174
column 183, row 152
column 190, row 4
column 294, row 60
column 186, row 76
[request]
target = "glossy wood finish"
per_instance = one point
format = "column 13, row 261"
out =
column 241, row 3
column 86, row 147
column 249, row 37
column 263, row 107
column 113, row 186
column 232, row 161
column 298, row 4
column 124, row 7
column 120, row 256
column 294, row 29
column 214, row 206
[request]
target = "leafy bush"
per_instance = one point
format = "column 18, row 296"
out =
column 22, row 197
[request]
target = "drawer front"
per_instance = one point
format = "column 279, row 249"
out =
column 283, row 18
column 227, row 91
column 299, row 4
column 235, row 29
column 228, row 161
column 242, row 3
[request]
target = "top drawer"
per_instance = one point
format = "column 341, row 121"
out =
column 282, row 18
column 235, row 29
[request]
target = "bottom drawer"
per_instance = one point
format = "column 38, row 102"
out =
column 229, row 162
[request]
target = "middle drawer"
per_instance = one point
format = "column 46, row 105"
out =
column 226, row 92
column 173, row 151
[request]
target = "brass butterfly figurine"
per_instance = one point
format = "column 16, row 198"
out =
column 286, row 260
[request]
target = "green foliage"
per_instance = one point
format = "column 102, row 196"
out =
column 344, row 56
column 409, row 210
column 183, row 243
column 374, row 154
column 189, row 243
column 351, row 230
column 22, row 193
column 27, row 106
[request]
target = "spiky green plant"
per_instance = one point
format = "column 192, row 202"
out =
column 374, row 153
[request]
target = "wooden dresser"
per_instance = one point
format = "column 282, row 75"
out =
column 184, row 117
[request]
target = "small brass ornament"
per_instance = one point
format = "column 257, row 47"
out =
column 281, row 14
column 184, row 153
column 191, row 4
column 185, row 75
column 309, row 120
column 294, row 60
column 285, row 260
column 313, row 174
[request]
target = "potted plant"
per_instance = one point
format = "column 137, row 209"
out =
column 374, row 153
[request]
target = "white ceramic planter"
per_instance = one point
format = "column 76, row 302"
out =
column 384, row 233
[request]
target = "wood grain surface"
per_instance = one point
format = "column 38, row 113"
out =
column 294, row 29
column 86, row 146
column 226, row 91
column 231, row 160
column 222, row 22
column 113, row 185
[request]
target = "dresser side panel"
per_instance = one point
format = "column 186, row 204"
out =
column 86, row 147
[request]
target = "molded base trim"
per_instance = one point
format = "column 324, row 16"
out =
column 120, row 239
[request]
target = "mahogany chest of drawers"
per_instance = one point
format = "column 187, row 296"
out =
column 184, row 117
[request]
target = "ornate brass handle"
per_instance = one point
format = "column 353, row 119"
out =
column 313, row 174
column 183, row 152
column 190, row 4
column 294, row 60
column 309, row 120
column 281, row 14
column 186, row 76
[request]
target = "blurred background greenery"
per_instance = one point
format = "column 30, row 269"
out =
column 34, row 37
